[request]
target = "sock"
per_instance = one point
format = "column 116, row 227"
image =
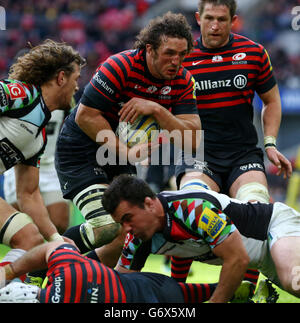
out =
column 74, row 234
column 252, row 275
column 180, row 268
column 197, row 293
column 13, row 254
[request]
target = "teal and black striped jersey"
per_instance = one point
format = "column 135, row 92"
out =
column 23, row 117
column 226, row 81
column 23, row 101
column 195, row 224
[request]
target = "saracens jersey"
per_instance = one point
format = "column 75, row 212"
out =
column 194, row 225
column 23, row 117
column 126, row 75
column 226, row 81
column 75, row 278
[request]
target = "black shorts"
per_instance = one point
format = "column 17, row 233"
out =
column 77, row 167
column 223, row 167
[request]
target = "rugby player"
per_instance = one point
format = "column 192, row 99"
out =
column 147, row 80
column 228, row 69
column 74, row 278
column 41, row 81
column 209, row 227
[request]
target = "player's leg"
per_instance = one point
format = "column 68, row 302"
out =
column 284, row 244
column 17, row 229
column 247, row 182
column 59, row 213
column 191, row 176
column 286, row 256
column 57, row 206
column 99, row 228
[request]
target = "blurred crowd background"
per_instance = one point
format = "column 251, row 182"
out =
column 99, row 28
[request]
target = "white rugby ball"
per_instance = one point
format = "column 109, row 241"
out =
column 144, row 129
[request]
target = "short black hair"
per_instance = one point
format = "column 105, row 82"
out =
column 126, row 188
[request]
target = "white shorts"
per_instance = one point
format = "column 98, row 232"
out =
column 285, row 222
column 49, row 186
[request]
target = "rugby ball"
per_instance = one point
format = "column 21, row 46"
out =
column 144, row 129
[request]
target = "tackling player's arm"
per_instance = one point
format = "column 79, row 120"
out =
column 235, row 262
column 34, row 259
column 30, row 200
column 271, row 119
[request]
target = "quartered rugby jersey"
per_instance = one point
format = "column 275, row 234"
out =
column 226, row 81
column 126, row 75
column 23, row 117
column 194, row 225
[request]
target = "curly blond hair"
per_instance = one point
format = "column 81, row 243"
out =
column 43, row 62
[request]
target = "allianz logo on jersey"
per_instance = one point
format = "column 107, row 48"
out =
column 239, row 81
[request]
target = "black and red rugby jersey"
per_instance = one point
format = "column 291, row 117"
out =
column 226, row 81
column 74, row 278
column 126, row 75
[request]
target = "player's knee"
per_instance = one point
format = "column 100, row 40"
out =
column 19, row 231
column 95, row 237
column 253, row 192
column 194, row 184
column 99, row 228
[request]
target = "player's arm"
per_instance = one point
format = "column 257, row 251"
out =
column 34, row 259
column 271, row 119
column 92, row 122
column 235, row 262
column 168, row 121
column 30, row 200
column 124, row 270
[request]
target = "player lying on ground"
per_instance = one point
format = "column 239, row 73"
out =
column 74, row 278
column 198, row 224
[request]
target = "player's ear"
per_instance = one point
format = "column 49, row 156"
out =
column 197, row 16
column 148, row 201
column 234, row 20
column 61, row 78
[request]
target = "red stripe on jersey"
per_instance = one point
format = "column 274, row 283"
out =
column 115, row 292
column 68, row 285
column 118, row 69
column 78, row 283
column 184, row 291
column 123, row 295
column 110, row 76
column 106, row 285
column 219, row 104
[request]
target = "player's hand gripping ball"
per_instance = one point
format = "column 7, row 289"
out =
column 144, row 129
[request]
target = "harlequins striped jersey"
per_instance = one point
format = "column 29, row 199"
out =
column 23, row 117
column 226, row 81
column 194, row 225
